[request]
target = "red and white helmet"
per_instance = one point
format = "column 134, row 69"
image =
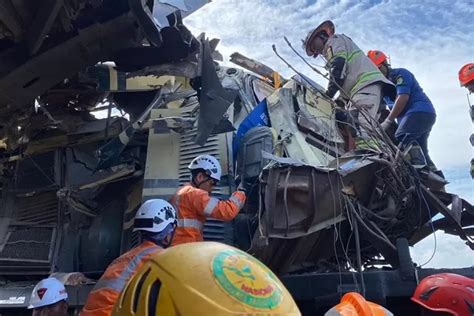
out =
column 446, row 292
column 154, row 216
column 47, row 292
column 209, row 164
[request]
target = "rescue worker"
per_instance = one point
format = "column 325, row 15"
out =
column 49, row 298
column 216, row 279
column 156, row 222
column 194, row 203
column 354, row 304
column 412, row 109
column 361, row 82
column 466, row 79
column 446, row 293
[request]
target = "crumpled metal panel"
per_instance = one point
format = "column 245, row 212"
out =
column 214, row 99
column 300, row 201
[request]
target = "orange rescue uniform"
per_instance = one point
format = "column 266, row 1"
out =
column 106, row 292
column 195, row 205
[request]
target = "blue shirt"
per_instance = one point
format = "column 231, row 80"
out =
column 406, row 83
column 258, row 117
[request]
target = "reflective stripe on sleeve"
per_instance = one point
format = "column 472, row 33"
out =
column 119, row 282
column 236, row 201
column 211, row 205
column 190, row 223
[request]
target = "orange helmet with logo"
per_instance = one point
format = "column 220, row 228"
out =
column 377, row 57
column 446, row 292
column 466, row 74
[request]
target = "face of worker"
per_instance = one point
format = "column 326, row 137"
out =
column 316, row 46
column 470, row 87
column 168, row 239
column 206, row 183
column 58, row 309
column 384, row 69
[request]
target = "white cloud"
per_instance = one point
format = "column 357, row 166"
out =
column 433, row 39
column 450, row 252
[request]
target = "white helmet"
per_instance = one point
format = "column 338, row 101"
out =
column 47, row 292
column 154, row 216
column 210, row 165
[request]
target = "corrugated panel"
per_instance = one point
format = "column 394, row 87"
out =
column 38, row 209
column 31, row 235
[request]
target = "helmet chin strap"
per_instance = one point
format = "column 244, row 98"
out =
column 162, row 239
column 198, row 184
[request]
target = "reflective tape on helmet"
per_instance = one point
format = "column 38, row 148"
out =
column 119, row 282
column 190, row 223
column 210, row 206
column 236, row 201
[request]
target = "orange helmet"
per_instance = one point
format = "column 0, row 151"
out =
column 466, row 74
column 446, row 292
column 377, row 57
column 354, row 304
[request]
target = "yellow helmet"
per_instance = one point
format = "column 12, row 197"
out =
column 205, row 278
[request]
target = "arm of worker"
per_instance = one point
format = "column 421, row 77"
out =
column 224, row 210
column 403, row 83
column 336, row 77
column 400, row 103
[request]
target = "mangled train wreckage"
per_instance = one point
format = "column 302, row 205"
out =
column 326, row 218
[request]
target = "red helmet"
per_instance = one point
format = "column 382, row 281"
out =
column 377, row 57
column 466, row 74
column 446, row 292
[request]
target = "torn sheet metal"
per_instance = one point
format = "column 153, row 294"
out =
column 163, row 8
column 109, row 153
column 253, row 65
column 283, row 120
column 175, row 123
column 299, row 201
column 107, row 78
column 319, row 111
column 261, row 89
column 214, row 100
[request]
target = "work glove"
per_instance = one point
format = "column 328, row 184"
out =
column 340, row 104
column 387, row 125
column 244, row 186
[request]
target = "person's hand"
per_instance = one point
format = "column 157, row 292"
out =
column 245, row 187
column 387, row 125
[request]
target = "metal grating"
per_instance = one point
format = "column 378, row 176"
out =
column 28, row 245
column 30, row 238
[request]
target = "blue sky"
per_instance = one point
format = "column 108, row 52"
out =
column 433, row 39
